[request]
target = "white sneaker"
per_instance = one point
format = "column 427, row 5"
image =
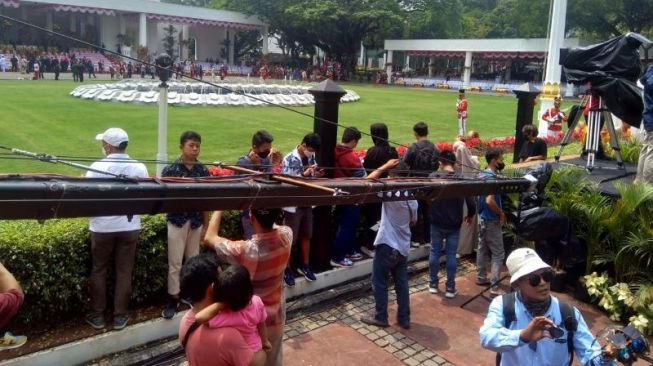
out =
column 434, row 289
column 414, row 244
column 451, row 293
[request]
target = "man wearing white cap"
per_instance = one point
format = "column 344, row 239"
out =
column 532, row 327
column 110, row 234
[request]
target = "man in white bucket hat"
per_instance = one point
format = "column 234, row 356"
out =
column 532, row 327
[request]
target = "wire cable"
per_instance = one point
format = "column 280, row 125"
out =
column 159, row 68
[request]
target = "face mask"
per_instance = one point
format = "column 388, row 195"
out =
column 263, row 154
column 309, row 154
column 500, row 166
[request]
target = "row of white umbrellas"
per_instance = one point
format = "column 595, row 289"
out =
column 105, row 92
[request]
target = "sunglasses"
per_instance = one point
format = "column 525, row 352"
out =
column 535, row 278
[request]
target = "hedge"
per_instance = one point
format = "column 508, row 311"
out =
column 52, row 262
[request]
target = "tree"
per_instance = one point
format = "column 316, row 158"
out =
column 426, row 19
column 335, row 26
column 169, row 40
column 599, row 20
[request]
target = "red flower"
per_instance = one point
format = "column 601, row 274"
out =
column 442, row 146
column 401, row 150
column 217, row 171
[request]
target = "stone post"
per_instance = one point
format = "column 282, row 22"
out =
column 327, row 96
column 526, row 94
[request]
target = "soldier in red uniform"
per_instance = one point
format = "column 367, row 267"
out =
column 554, row 117
column 461, row 109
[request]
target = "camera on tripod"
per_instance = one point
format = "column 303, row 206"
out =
column 610, row 69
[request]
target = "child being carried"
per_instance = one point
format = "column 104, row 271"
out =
column 237, row 307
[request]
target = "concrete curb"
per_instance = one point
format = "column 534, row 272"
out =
column 95, row 347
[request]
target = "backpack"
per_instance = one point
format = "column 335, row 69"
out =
column 566, row 312
column 425, row 160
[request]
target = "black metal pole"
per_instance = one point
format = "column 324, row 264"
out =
column 526, row 94
column 327, row 96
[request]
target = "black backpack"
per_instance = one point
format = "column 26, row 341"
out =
column 425, row 160
column 566, row 311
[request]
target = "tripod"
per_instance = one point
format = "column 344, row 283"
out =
column 597, row 112
column 482, row 293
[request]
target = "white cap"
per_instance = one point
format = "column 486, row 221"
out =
column 113, row 136
column 523, row 261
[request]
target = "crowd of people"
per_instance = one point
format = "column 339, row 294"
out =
column 236, row 290
column 236, row 287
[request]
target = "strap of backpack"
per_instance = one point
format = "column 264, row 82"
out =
column 193, row 327
column 508, row 301
column 571, row 324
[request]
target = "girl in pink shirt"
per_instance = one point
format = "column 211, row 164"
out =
column 237, row 307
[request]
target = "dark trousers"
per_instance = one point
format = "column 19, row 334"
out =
column 388, row 261
column 103, row 245
column 348, row 217
column 421, row 231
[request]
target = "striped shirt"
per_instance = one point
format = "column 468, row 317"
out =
column 266, row 257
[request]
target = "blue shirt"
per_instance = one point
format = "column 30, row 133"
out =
column 496, row 337
column 179, row 169
column 647, row 81
column 293, row 165
column 394, row 229
column 483, row 209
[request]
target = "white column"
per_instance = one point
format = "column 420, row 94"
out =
column 467, row 72
column 185, row 37
column 388, row 67
column 48, row 21
column 232, row 38
column 162, row 140
column 431, row 65
column 82, row 27
column 551, row 87
column 407, row 62
column 361, row 59
column 73, row 22
column 123, row 24
column 142, row 30
column 264, row 33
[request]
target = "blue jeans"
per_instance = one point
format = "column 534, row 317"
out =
column 348, row 217
column 389, row 261
column 437, row 236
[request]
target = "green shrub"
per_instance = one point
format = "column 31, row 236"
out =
column 52, row 262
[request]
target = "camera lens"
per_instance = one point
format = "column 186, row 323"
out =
column 556, row 332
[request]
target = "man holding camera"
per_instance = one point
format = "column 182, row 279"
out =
column 532, row 327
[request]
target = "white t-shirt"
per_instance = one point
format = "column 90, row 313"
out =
column 129, row 168
column 394, row 229
column 36, row 67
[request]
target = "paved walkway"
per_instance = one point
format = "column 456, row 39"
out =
column 441, row 332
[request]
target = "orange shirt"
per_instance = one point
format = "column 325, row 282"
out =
column 266, row 257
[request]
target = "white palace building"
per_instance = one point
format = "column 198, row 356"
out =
column 133, row 23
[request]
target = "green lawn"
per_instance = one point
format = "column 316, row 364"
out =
column 42, row 117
